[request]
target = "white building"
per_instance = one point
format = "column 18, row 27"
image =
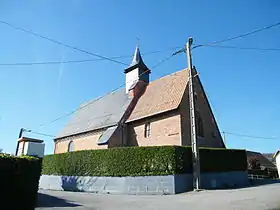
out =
column 276, row 157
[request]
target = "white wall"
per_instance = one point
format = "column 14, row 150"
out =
column 34, row 149
column 20, row 147
column 130, row 78
column 278, row 164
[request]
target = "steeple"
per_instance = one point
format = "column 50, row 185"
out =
column 137, row 57
column 136, row 71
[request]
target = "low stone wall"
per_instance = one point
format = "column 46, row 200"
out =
column 224, row 180
column 170, row 184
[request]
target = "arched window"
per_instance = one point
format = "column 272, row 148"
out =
column 71, row 147
column 199, row 125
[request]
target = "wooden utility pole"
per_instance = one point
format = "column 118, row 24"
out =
column 195, row 151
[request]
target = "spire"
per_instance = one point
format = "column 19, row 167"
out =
column 137, row 59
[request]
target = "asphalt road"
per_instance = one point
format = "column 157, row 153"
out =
column 256, row 198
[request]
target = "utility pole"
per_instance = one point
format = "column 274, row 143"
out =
column 195, row 151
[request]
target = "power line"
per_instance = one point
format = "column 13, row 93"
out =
column 78, row 61
column 162, row 61
column 56, row 62
column 239, row 36
column 42, row 134
column 60, row 43
column 248, row 136
column 82, row 107
column 244, row 48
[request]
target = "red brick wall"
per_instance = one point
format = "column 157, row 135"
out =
column 165, row 130
column 209, row 124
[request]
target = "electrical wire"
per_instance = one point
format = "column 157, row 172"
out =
column 41, row 134
column 239, row 36
column 56, row 62
column 244, row 48
column 248, row 136
column 60, row 43
column 162, row 61
column 78, row 61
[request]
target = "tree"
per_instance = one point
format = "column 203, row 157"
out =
column 1, row 150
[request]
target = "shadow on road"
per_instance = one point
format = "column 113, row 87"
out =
column 51, row 201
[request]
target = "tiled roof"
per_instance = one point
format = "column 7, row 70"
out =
column 269, row 156
column 99, row 113
column 161, row 95
column 263, row 161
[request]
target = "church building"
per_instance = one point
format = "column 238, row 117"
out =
column 143, row 113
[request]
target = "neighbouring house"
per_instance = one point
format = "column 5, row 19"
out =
column 270, row 157
column 143, row 113
column 259, row 164
column 276, row 157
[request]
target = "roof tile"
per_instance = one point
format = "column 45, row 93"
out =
column 161, row 95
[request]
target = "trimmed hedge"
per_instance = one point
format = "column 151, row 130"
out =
column 19, row 180
column 141, row 161
column 222, row 160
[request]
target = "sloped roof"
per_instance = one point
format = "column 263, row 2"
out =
column 161, row 95
column 269, row 156
column 96, row 114
column 263, row 161
column 106, row 135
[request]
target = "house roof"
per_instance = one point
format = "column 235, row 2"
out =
column 100, row 113
column 269, row 156
column 161, row 95
column 263, row 161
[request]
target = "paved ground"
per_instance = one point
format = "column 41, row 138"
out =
column 256, row 198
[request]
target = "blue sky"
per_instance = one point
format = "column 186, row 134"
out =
column 242, row 85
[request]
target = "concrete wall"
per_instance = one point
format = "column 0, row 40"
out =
column 170, row 184
column 212, row 136
column 165, row 130
column 110, row 185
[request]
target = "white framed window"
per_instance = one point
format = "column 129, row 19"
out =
column 71, row 146
column 147, row 131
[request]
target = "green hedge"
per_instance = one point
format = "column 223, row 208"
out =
column 19, row 180
column 222, row 160
column 141, row 161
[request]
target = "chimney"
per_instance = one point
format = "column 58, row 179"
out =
column 137, row 72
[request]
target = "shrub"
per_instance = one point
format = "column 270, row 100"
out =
column 222, row 160
column 128, row 161
column 19, row 180
column 141, row 161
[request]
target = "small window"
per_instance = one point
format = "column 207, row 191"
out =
column 71, row 147
column 195, row 96
column 199, row 125
column 213, row 134
column 147, row 132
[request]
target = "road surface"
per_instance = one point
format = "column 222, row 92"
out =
column 256, row 198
